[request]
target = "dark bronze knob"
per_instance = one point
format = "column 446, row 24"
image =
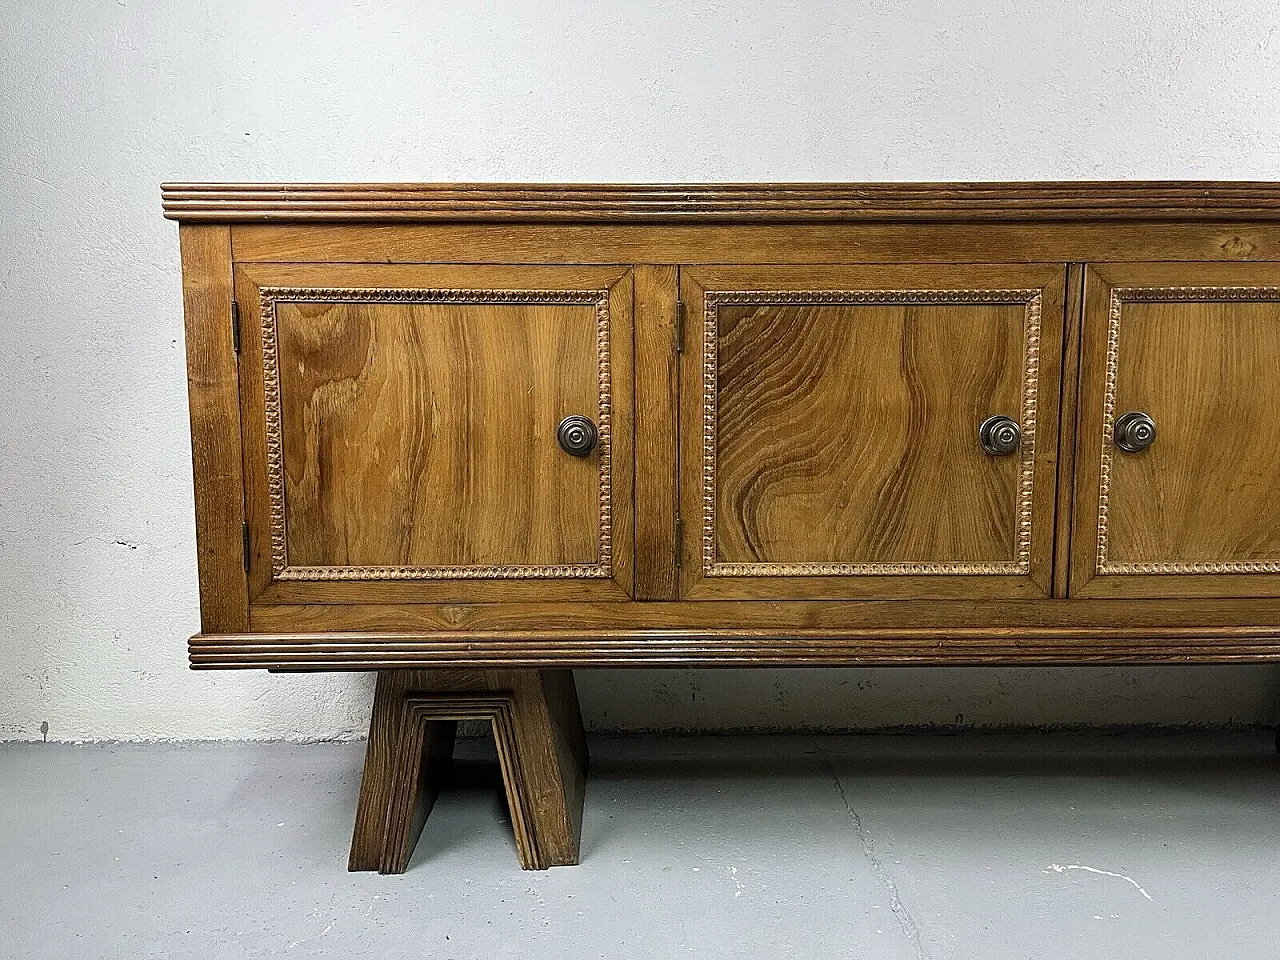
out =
column 1135, row 431
column 999, row 436
column 577, row 436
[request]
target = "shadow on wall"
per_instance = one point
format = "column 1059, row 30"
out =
column 889, row 698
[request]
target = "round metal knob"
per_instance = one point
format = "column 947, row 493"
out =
column 999, row 436
column 1135, row 431
column 577, row 436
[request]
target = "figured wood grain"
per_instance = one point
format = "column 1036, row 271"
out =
column 723, row 203
column 378, row 462
column 1198, row 349
column 393, row 459
column 841, row 433
column 839, row 415
column 215, row 426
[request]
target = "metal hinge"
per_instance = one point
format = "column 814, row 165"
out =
column 679, row 326
column 679, row 541
column 235, row 326
column 244, row 543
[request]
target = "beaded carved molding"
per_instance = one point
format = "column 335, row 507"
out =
column 1119, row 296
column 281, row 570
column 1021, row 562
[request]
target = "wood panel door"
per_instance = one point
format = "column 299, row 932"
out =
column 830, row 431
column 401, row 432
column 1193, row 507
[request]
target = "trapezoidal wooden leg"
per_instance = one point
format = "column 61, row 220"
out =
column 377, row 814
column 541, row 748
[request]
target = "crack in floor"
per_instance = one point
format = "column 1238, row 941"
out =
column 905, row 920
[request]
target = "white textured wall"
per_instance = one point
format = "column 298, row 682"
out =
column 101, row 101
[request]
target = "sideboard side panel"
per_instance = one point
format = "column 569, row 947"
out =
column 213, row 395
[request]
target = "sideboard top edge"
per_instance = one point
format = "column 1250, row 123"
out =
column 720, row 203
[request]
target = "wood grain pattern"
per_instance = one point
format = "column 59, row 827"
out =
column 541, row 749
column 1197, row 348
column 425, row 755
column 825, row 238
column 552, row 746
column 404, row 467
column 215, row 426
column 381, row 761
column 839, row 414
column 722, row 203
column 875, row 393
column 754, row 243
column 871, row 619
column 656, row 413
column 382, row 463
column 1068, row 405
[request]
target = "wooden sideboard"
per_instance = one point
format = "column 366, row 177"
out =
column 472, row 436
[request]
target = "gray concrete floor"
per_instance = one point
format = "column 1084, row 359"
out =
column 864, row 847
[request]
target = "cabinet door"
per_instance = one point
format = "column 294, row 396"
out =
column 1195, row 348
column 830, row 430
column 401, row 432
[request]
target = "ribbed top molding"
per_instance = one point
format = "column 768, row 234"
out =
column 719, row 203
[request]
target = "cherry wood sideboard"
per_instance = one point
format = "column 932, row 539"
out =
column 473, row 436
